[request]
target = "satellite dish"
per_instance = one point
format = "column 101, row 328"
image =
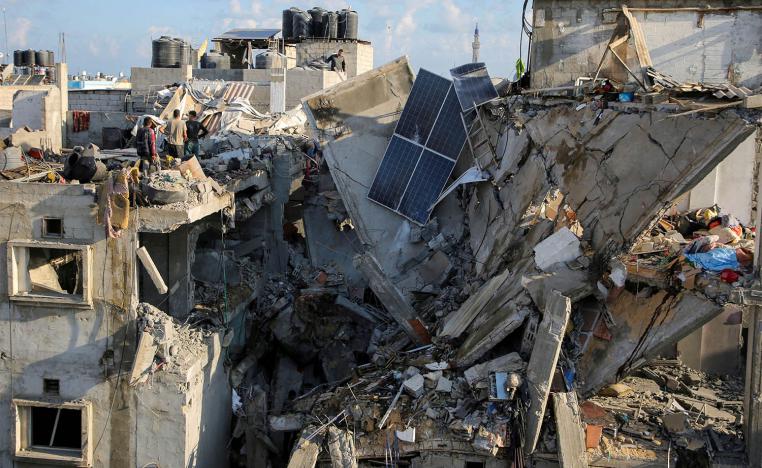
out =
column 2, row 55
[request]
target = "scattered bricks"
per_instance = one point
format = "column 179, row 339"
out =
column 593, row 434
column 752, row 102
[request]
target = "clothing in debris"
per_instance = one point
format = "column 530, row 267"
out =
column 337, row 62
column 81, row 121
column 145, row 142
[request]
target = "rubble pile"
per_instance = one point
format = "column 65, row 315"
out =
column 664, row 406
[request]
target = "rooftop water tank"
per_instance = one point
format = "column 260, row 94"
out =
column 348, row 24
column 330, row 24
column 214, row 59
column 316, row 15
column 28, row 58
column 302, row 24
column 288, row 23
column 270, row 59
column 170, row 52
column 44, row 58
column 17, row 58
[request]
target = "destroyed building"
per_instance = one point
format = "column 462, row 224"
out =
column 408, row 269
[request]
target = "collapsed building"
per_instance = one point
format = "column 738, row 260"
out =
column 410, row 270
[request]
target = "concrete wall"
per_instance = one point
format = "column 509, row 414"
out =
column 104, row 100
column 62, row 342
column 51, row 108
column 717, row 47
column 94, row 134
column 150, row 79
column 358, row 56
column 181, row 419
column 730, row 185
column 301, row 83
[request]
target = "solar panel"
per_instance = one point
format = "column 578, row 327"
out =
column 423, row 150
column 422, row 106
column 448, row 136
column 472, row 85
column 394, row 172
column 428, row 180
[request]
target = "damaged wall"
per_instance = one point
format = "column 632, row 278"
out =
column 74, row 345
column 719, row 46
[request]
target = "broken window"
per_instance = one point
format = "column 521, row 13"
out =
column 52, row 432
column 49, row 272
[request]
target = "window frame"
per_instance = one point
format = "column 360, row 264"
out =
column 25, row 452
column 14, row 294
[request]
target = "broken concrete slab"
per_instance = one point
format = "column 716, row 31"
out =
column 414, row 385
column 542, row 363
column 389, row 295
column 635, row 339
column 571, row 437
column 562, row 246
column 478, row 375
column 153, row 272
column 573, row 284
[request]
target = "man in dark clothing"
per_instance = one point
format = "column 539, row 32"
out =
column 145, row 141
column 195, row 130
column 337, row 61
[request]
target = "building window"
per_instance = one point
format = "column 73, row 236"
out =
column 52, row 432
column 49, row 272
column 52, row 227
column 51, row 386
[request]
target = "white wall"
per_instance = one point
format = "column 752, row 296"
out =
column 730, row 185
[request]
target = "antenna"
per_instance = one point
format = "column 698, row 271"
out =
column 5, row 27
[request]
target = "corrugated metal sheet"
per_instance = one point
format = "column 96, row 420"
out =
column 238, row 89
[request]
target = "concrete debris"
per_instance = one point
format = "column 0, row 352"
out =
column 602, row 231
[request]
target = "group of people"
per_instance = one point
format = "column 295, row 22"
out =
column 182, row 137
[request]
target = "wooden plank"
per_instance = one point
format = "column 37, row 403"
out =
column 613, row 52
column 640, row 39
column 153, row 272
column 571, row 438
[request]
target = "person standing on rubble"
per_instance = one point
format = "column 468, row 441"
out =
column 195, row 130
column 145, row 142
column 337, row 61
column 177, row 133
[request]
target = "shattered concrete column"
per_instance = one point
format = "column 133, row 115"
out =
column 542, row 363
column 256, row 430
column 752, row 400
column 341, row 447
column 571, row 436
column 388, row 294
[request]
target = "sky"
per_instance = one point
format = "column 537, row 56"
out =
column 110, row 37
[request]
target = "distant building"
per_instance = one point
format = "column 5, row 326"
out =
column 475, row 45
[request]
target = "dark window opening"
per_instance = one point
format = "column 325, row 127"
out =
column 52, row 227
column 55, row 271
column 475, row 464
column 51, row 386
column 56, row 428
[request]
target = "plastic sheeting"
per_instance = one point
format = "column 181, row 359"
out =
column 715, row 260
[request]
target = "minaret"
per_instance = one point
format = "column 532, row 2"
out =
column 475, row 44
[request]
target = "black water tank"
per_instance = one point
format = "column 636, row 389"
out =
column 302, row 24
column 348, row 24
column 316, row 15
column 215, row 60
column 44, row 58
column 170, row 52
column 27, row 58
column 330, row 24
column 288, row 23
column 17, row 58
